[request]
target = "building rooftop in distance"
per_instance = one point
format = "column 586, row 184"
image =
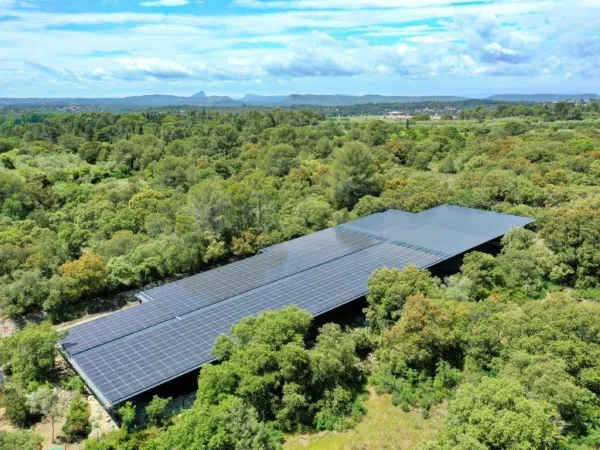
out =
column 172, row 332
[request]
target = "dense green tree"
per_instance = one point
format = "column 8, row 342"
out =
column 127, row 412
column 228, row 425
column 479, row 268
column 279, row 159
column 266, row 363
column 390, row 288
column 30, row 352
column 88, row 273
column 353, row 174
column 458, row 287
column 48, row 403
column 211, row 206
column 514, row 128
column 369, row 205
column 171, row 172
column 89, row 151
column 424, row 336
column 524, row 263
column 128, row 154
column 223, row 139
column 573, row 233
column 496, row 413
column 377, row 132
column 77, row 426
column 20, row 440
column 16, row 409
column 156, row 410
column 310, row 214
column 415, row 194
column 24, row 294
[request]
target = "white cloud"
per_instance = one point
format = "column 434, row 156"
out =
column 271, row 22
column 99, row 71
column 319, row 55
column 435, row 38
column 154, row 67
column 165, row 3
column 490, row 42
column 379, row 31
column 344, row 4
column 293, row 40
column 170, row 29
column 500, row 52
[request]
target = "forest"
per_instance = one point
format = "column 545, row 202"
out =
column 95, row 205
column 468, row 109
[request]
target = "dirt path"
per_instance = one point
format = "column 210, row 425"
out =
column 102, row 423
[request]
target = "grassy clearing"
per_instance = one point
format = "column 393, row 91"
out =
column 384, row 427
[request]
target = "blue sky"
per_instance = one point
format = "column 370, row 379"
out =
column 95, row 48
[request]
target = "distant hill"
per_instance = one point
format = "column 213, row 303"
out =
column 131, row 102
column 173, row 100
column 294, row 100
column 203, row 98
column 344, row 100
column 542, row 98
column 253, row 99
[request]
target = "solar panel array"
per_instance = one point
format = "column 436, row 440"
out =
column 133, row 350
column 446, row 228
column 198, row 291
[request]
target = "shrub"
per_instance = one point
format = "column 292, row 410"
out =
column 20, row 440
column 75, row 384
column 127, row 413
column 156, row 410
column 15, row 405
column 78, row 424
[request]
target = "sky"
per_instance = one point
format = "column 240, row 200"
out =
column 113, row 48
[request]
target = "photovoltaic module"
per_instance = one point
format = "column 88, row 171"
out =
column 172, row 333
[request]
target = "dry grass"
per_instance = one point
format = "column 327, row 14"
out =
column 385, row 427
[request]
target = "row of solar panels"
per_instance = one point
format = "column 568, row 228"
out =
column 190, row 294
column 133, row 350
column 182, row 344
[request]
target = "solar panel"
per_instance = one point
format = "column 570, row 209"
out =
column 185, row 343
column 446, row 228
column 133, row 350
column 183, row 296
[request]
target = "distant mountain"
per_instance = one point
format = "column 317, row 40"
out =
column 263, row 99
column 345, row 100
column 542, row 98
column 201, row 99
column 141, row 101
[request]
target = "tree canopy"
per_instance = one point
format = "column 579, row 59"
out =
column 95, row 204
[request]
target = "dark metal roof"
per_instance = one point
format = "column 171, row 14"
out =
column 172, row 332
